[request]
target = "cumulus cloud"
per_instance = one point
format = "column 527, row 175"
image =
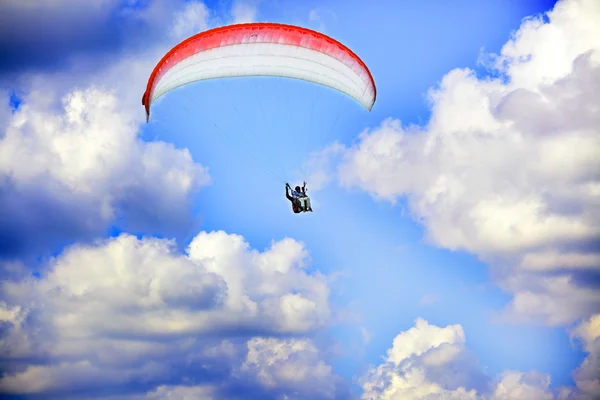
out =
column 517, row 385
column 290, row 366
column 192, row 19
column 507, row 167
column 71, row 174
column 587, row 375
column 272, row 369
column 72, row 162
column 429, row 362
column 135, row 313
column 182, row 392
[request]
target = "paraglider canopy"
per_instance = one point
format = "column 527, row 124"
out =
column 262, row 49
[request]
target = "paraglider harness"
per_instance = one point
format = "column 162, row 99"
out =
column 296, row 206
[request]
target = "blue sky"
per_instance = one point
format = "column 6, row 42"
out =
column 386, row 250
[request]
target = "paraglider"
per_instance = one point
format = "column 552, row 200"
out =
column 262, row 49
column 299, row 198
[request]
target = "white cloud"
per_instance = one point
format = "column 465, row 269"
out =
column 516, row 385
column 292, row 365
column 244, row 12
column 81, row 124
column 282, row 369
column 587, row 376
column 421, row 338
column 165, row 392
column 81, row 127
column 72, row 375
column 549, row 260
column 293, row 300
column 192, row 19
column 418, row 363
column 429, row 362
column 507, row 168
column 125, row 308
column 543, row 53
column 89, row 144
column 555, row 300
column 71, row 173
